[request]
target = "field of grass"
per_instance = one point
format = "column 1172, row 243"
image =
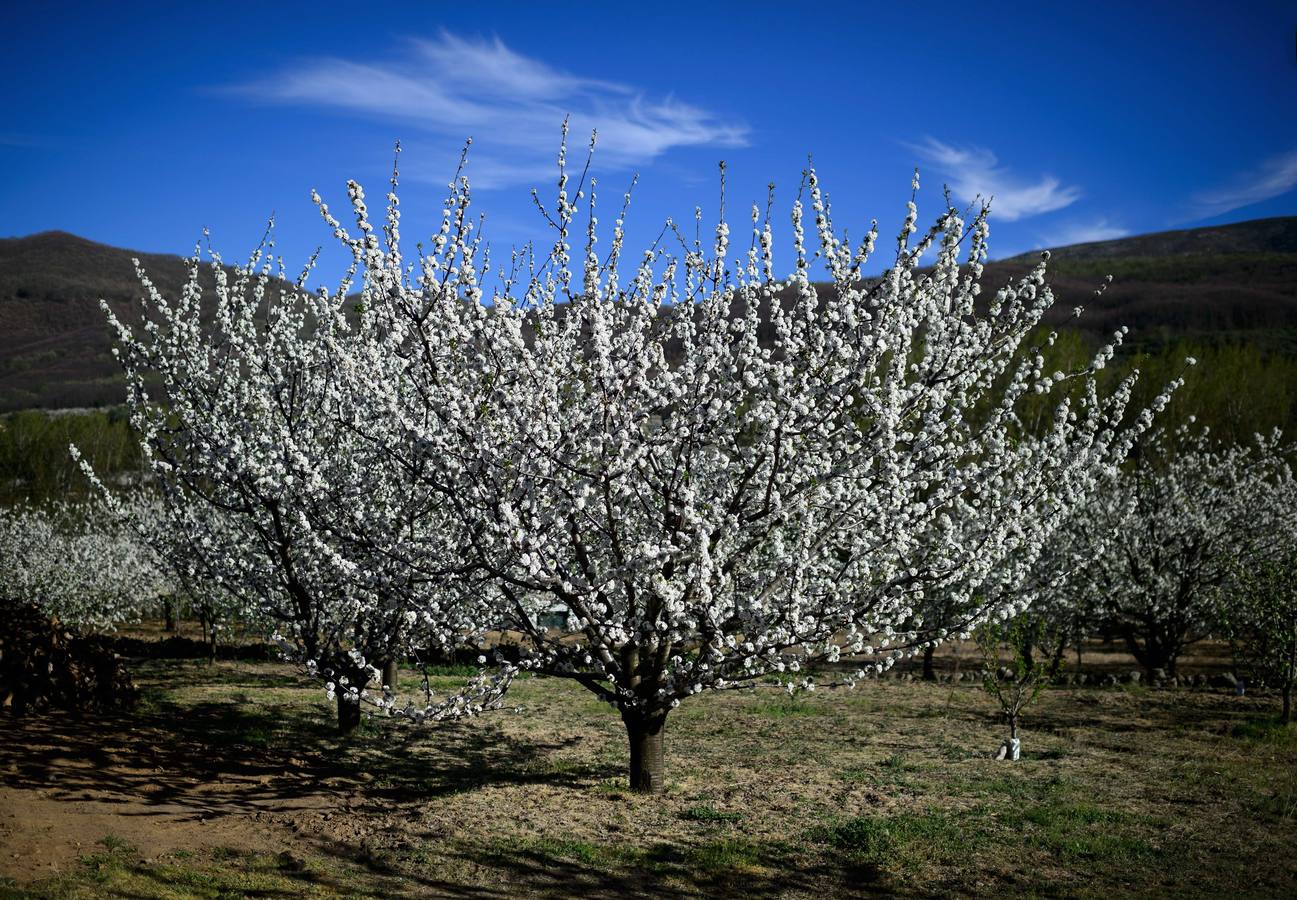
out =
column 228, row 781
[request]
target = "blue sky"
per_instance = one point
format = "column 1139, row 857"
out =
column 138, row 125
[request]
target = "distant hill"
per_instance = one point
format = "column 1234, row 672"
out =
column 1223, row 283
column 1257, row 236
column 1231, row 282
column 55, row 347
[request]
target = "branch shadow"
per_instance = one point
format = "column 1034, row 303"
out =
column 218, row 758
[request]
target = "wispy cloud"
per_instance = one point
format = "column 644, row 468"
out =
column 1275, row 176
column 975, row 172
column 452, row 87
column 26, row 141
column 1083, row 233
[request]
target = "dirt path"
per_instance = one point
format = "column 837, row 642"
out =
column 68, row 784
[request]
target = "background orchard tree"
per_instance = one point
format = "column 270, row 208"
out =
column 713, row 509
column 1045, row 580
column 82, row 564
column 1259, row 616
column 1180, row 518
column 273, row 493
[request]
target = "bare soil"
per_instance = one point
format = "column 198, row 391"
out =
column 228, row 781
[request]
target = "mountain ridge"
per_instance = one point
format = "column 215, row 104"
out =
column 1233, row 282
column 1276, row 234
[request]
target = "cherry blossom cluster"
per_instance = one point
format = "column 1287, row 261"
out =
column 84, row 564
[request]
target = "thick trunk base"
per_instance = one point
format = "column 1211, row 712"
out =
column 391, row 675
column 348, row 715
column 647, row 753
column 1154, row 652
column 929, row 668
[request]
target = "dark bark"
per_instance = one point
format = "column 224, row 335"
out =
column 1288, row 676
column 1154, row 651
column 1056, row 661
column 348, row 714
column 647, row 751
column 929, row 670
column 169, row 615
column 1029, row 652
column 391, row 672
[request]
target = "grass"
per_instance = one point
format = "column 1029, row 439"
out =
column 1267, row 731
column 724, row 855
column 114, row 844
column 787, row 707
column 904, row 840
column 705, row 812
column 810, row 796
column 1086, row 831
column 186, row 874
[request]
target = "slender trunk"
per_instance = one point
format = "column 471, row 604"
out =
column 169, row 615
column 391, row 665
column 647, row 751
column 1056, row 662
column 348, row 714
column 929, row 670
column 1289, row 677
column 391, row 672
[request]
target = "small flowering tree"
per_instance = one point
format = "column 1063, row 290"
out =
column 1259, row 615
column 274, row 487
column 1033, row 644
column 721, row 475
column 1182, row 516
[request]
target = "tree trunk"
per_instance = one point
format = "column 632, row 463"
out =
column 1289, row 677
column 348, row 714
column 929, row 670
column 1154, row 653
column 647, row 751
column 168, row 615
column 391, row 672
column 1056, row 661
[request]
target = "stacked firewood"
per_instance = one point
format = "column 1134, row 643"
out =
column 46, row 666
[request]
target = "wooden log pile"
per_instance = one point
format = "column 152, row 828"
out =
column 46, row 666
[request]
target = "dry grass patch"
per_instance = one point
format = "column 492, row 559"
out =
column 888, row 788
